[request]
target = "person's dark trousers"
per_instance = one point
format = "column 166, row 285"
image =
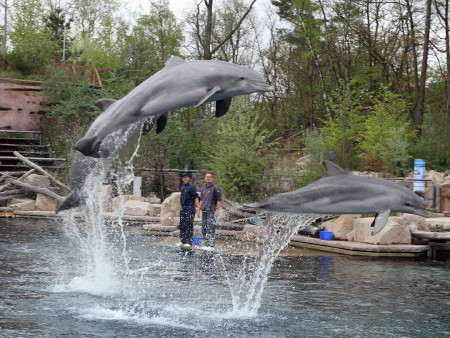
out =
column 209, row 228
column 187, row 224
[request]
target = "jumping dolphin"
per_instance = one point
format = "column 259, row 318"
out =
column 179, row 84
column 83, row 165
column 340, row 192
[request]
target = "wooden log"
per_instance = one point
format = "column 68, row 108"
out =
column 37, row 189
column 38, row 168
column 12, row 192
column 21, row 178
column 10, row 197
column 235, row 210
column 310, row 230
column 436, row 236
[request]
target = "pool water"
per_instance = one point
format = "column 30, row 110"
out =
column 150, row 288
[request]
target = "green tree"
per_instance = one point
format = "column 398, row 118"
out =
column 33, row 45
column 170, row 149
column 69, row 109
column 238, row 156
column 388, row 115
column 342, row 131
column 153, row 41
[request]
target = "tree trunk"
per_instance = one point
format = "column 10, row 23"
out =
column 418, row 116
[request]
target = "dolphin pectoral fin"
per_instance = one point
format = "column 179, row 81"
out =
column 380, row 221
column 207, row 96
column 222, row 106
column 146, row 127
column 89, row 147
column 104, row 104
column 162, row 122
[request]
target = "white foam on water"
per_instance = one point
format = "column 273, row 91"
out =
column 100, row 313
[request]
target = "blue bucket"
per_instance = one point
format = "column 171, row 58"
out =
column 197, row 240
column 326, row 235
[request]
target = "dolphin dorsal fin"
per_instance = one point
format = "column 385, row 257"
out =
column 333, row 169
column 104, row 104
column 174, row 61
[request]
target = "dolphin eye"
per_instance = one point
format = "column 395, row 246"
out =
column 242, row 78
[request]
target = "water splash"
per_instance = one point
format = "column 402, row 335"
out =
column 101, row 269
column 247, row 290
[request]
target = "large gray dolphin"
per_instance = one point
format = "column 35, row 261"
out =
column 179, row 84
column 339, row 192
column 82, row 166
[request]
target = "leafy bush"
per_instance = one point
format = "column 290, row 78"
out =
column 389, row 115
column 238, row 158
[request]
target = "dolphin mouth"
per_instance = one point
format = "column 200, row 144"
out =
column 421, row 212
column 266, row 88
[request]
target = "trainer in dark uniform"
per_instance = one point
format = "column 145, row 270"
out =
column 189, row 200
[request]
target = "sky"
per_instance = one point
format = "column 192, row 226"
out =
column 177, row 6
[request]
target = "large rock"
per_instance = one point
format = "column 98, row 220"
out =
column 303, row 161
column 154, row 209
column 39, row 181
column 45, row 203
column 117, row 201
column 152, row 199
column 394, row 232
column 445, row 197
column 250, row 233
column 343, row 225
column 23, row 204
column 170, row 210
column 105, row 195
column 136, row 208
column 415, row 222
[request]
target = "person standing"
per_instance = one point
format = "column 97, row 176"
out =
column 189, row 200
column 210, row 199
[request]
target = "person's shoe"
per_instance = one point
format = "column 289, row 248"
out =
column 179, row 244
column 187, row 245
column 208, row 248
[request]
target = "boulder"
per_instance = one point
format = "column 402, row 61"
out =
column 170, row 210
column 45, row 203
column 154, row 209
column 415, row 222
column 250, row 233
column 39, row 181
column 394, row 232
column 303, row 161
column 23, row 205
column 445, row 196
column 136, row 208
column 153, row 200
column 343, row 225
column 117, row 201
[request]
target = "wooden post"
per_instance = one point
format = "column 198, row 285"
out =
column 38, row 190
column 21, row 178
column 38, row 168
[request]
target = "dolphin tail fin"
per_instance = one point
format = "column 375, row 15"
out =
column 72, row 201
column 380, row 221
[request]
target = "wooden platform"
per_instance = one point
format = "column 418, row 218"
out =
column 360, row 249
